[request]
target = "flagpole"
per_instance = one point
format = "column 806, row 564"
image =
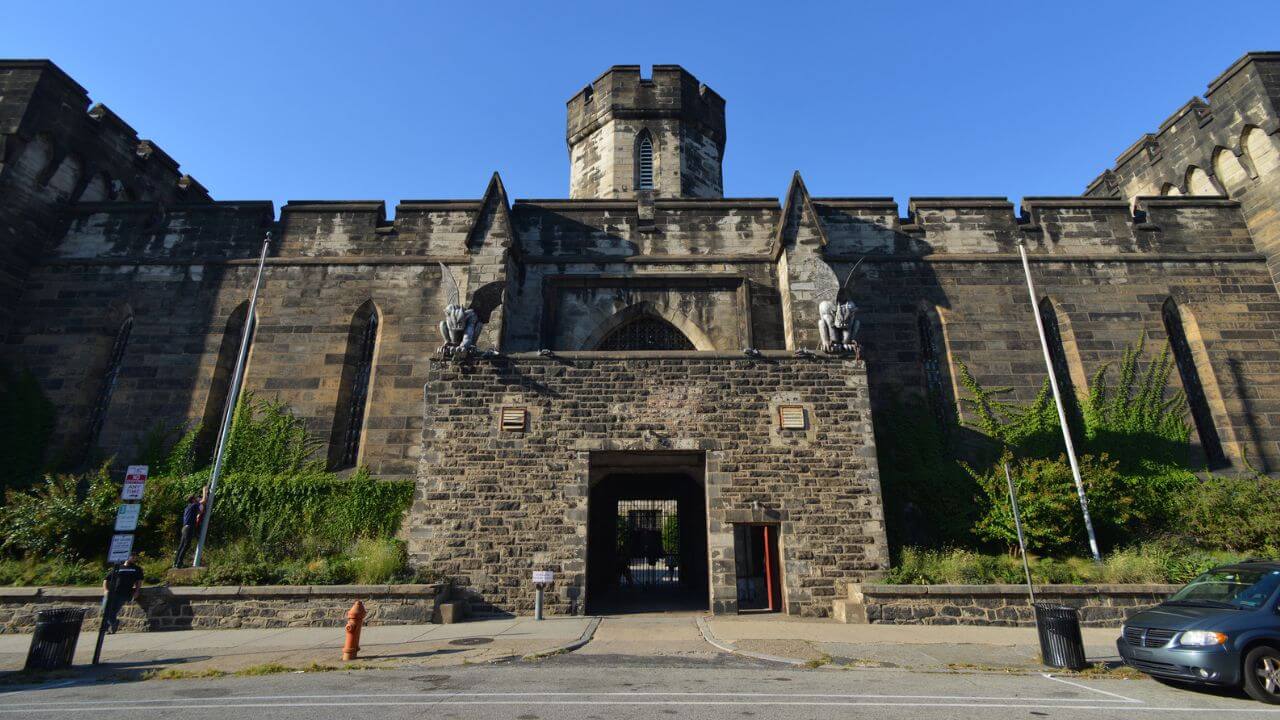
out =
column 1062, row 409
column 233, row 397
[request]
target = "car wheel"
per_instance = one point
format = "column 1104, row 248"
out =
column 1262, row 674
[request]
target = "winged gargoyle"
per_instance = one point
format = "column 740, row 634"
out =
column 838, row 321
column 461, row 325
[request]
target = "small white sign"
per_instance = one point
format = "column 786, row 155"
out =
column 543, row 576
column 127, row 517
column 135, row 481
column 121, row 546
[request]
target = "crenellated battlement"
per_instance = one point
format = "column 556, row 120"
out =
column 90, row 154
column 1082, row 226
column 629, row 134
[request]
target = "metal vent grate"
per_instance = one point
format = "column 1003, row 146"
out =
column 513, row 419
column 646, row 333
column 793, row 417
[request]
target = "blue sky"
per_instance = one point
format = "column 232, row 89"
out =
column 393, row 101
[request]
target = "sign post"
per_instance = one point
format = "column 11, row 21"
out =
column 541, row 580
column 121, row 547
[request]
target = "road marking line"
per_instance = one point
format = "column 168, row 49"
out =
column 1047, row 676
column 437, row 703
column 634, row 694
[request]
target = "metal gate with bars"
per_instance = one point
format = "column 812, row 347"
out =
column 648, row 544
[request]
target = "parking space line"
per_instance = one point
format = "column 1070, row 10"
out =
column 780, row 703
column 1047, row 676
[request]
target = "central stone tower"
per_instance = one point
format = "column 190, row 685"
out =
column 664, row 134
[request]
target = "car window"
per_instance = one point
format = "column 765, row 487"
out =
column 1241, row 588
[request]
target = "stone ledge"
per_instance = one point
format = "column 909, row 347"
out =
column 872, row 590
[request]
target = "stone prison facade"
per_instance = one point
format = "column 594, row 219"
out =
column 650, row 411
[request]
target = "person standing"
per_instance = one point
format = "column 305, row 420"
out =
column 191, row 516
column 122, row 584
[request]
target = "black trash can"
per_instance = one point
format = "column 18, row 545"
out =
column 1060, row 642
column 54, row 642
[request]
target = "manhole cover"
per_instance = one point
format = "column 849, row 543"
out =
column 471, row 641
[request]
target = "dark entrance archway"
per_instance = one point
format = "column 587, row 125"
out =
column 646, row 533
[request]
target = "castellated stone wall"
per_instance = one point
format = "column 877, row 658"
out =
column 1225, row 144
column 493, row 505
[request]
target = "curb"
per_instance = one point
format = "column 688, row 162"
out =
column 729, row 647
column 570, row 646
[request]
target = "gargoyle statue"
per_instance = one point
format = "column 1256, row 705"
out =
column 461, row 325
column 838, row 321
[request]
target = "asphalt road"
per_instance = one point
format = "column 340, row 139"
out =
column 608, row 687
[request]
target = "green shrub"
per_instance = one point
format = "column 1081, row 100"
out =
column 65, row 516
column 376, row 561
column 1233, row 513
column 1148, row 563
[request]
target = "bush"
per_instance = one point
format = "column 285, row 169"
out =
column 65, row 516
column 277, row 515
column 1233, row 513
column 377, row 561
column 1148, row 563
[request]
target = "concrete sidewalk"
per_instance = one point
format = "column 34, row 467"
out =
column 816, row 642
column 390, row 645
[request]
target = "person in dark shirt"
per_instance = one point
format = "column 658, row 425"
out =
column 191, row 516
column 122, row 585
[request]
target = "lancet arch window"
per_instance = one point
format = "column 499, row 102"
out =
column 108, row 383
column 1057, row 353
column 644, row 162
column 353, row 396
column 646, row 333
column 1201, row 415
column 931, row 363
column 224, row 368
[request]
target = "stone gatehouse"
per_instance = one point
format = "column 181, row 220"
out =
column 651, row 412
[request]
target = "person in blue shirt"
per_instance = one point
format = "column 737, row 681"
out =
column 191, row 516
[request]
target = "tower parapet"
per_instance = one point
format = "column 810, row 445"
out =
column 664, row 134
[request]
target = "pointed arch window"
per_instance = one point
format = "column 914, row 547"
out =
column 931, row 362
column 646, row 333
column 1192, row 387
column 1057, row 353
column 644, row 162
column 353, row 394
column 215, row 405
column 108, row 383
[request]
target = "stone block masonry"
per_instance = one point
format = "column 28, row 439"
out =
column 225, row 608
column 1003, row 605
column 493, row 505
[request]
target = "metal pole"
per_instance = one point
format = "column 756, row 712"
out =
column 102, row 628
column 1062, row 409
column 234, row 396
column 537, row 603
column 1017, row 524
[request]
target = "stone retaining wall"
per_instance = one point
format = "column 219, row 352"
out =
column 1099, row 605
column 276, row 606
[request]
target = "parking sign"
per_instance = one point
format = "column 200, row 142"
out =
column 135, row 481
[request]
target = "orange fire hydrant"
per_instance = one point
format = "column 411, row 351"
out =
column 355, row 620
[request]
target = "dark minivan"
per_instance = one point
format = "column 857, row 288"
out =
column 1223, row 628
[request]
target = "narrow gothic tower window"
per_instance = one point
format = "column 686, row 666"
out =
column 353, row 395
column 644, row 162
column 1191, row 385
column 220, row 386
column 109, row 377
column 1057, row 355
column 931, row 362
